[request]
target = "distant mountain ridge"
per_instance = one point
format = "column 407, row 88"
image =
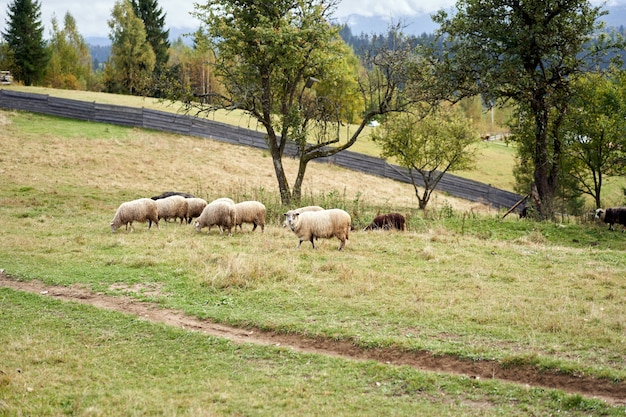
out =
column 360, row 24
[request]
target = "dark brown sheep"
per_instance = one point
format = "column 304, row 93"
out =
column 387, row 222
column 612, row 215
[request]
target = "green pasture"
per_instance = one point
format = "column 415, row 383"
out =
column 462, row 283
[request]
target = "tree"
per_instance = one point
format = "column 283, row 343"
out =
column 274, row 59
column 154, row 22
column 6, row 56
column 24, row 38
column 428, row 146
column 70, row 65
column 594, row 126
column 528, row 52
column 129, row 68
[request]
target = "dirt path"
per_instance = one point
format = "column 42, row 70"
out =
column 606, row 390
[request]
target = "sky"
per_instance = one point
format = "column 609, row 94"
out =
column 91, row 15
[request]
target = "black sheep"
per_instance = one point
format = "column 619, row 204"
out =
column 387, row 222
column 171, row 193
column 612, row 215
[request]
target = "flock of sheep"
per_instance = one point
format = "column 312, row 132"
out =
column 307, row 223
column 222, row 212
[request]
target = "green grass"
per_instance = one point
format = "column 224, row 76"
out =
column 68, row 359
column 461, row 283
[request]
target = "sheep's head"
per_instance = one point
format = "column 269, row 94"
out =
column 600, row 214
column 290, row 218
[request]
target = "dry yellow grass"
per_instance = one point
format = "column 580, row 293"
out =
column 494, row 164
column 128, row 162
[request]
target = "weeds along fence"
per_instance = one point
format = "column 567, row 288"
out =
column 195, row 126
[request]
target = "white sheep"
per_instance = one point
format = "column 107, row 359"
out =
column 140, row 210
column 324, row 224
column 223, row 199
column 195, row 205
column 172, row 207
column 217, row 213
column 250, row 212
column 301, row 210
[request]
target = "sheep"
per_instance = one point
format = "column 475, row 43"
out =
column 195, row 205
column 250, row 212
column 612, row 215
column 301, row 210
column 223, row 199
column 172, row 207
column 387, row 222
column 217, row 213
column 171, row 193
column 324, row 224
column 140, row 210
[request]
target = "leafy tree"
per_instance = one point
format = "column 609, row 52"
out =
column 595, row 125
column 201, row 66
column 129, row 68
column 280, row 61
column 154, row 22
column 24, row 37
column 192, row 70
column 528, row 52
column 70, row 65
column 428, row 146
column 6, row 56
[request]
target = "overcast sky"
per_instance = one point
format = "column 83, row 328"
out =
column 92, row 15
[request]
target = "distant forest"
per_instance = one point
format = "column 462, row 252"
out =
column 359, row 43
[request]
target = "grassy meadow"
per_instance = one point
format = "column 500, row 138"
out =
column 494, row 164
column 461, row 281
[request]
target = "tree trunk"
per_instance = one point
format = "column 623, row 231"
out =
column 297, row 186
column 542, row 164
column 277, row 160
column 598, row 185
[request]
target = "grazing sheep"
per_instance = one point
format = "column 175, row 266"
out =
column 195, row 206
column 301, row 210
column 324, row 224
column 172, row 207
column 612, row 215
column 141, row 210
column 217, row 213
column 223, row 200
column 171, row 193
column 387, row 222
column 250, row 212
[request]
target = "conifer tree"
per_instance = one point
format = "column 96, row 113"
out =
column 154, row 22
column 24, row 38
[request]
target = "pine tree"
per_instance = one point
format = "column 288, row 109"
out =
column 154, row 21
column 24, row 37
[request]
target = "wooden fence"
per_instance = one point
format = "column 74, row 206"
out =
column 194, row 126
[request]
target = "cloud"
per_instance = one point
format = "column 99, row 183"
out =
column 92, row 15
column 392, row 9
